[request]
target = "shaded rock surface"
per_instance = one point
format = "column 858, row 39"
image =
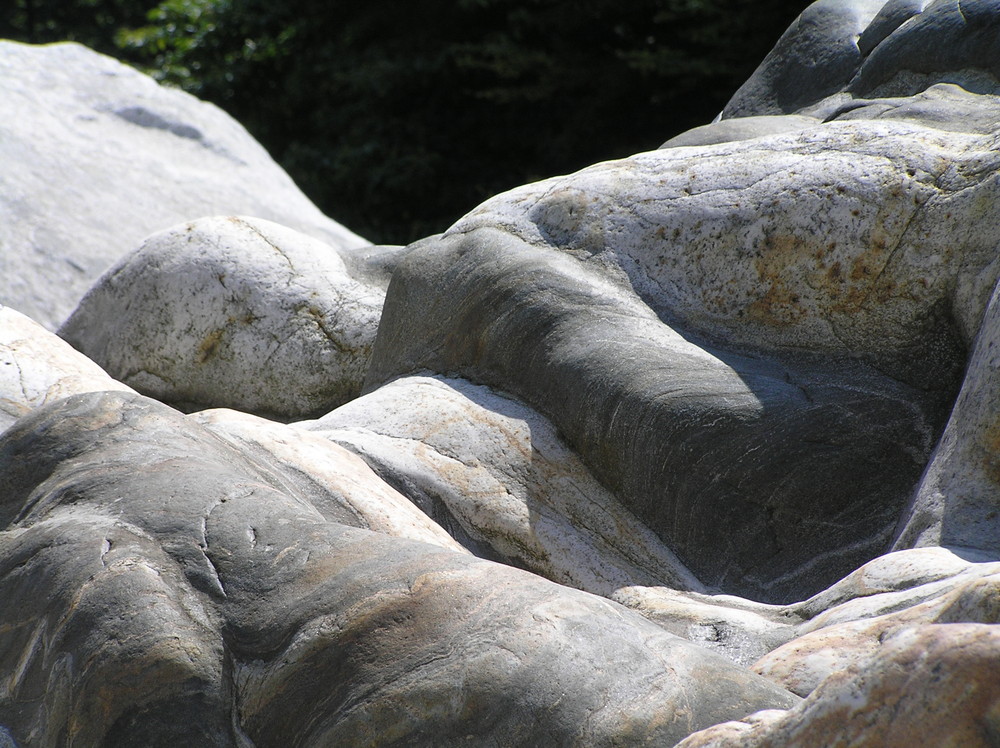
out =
column 234, row 312
column 131, row 157
column 734, row 481
column 194, row 594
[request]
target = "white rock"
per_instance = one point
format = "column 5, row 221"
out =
column 36, row 368
column 97, row 156
column 841, row 239
column 232, row 312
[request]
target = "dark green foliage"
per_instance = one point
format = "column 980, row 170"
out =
column 397, row 117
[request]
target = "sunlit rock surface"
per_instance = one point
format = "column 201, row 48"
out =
column 697, row 445
column 37, row 367
column 97, row 156
column 235, row 312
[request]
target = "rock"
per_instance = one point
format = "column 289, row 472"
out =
column 847, row 239
column 496, row 474
column 928, row 685
column 817, row 56
column 804, row 663
column 740, row 128
column 213, row 604
column 232, row 312
column 725, row 385
column 850, row 633
column 334, row 479
column 943, row 106
column 956, row 503
column 886, row 584
column 570, row 297
column 502, row 474
column 678, row 292
column 36, row 368
column 840, row 55
column 132, row 157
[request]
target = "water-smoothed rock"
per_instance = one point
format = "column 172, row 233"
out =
column 850, row 622
column 333, row 478
column 195, row 596
column 928, row 685
column 232, row 312
column 840, row 54
column 96, row 157
column 957, row 503
column 37, row 367
column 655, row 296
column 500, row 472
column 757, row 304
column 724, row 366
column 496, row 474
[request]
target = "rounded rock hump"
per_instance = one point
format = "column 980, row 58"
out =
column 198, row 596
column 232, row 312
column 36, row 368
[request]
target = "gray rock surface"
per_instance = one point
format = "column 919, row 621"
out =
column 194, row 597
column 333, row 478
column 232, row 312
column 957, row 503
column 844, row 53
column 132, row 158
column 817, row 56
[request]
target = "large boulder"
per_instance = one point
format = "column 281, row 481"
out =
column 194, row 596
column 233, row 312
column 96, row 157
column 753, row 342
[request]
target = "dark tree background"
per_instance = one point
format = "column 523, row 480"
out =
column 398, row 116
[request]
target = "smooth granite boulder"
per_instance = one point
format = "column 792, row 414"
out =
column 232, row 312
column 195, row 596
column 96, row 156
column 37, row 367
